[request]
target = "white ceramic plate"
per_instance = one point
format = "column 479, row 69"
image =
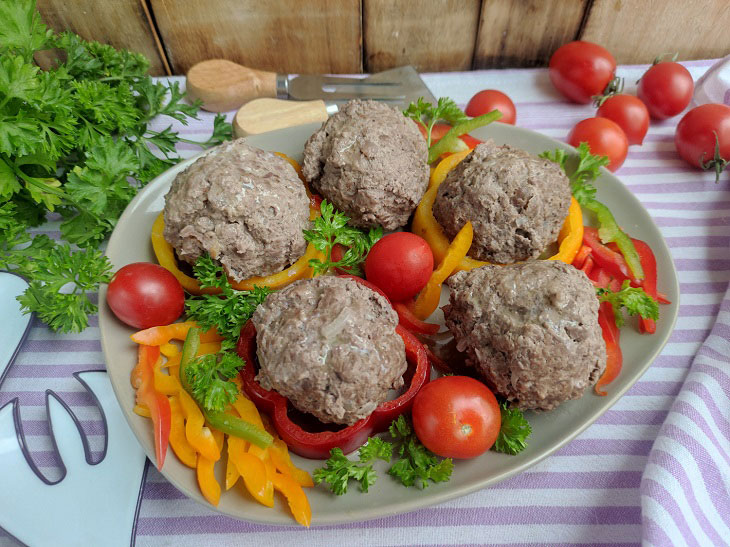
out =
column 130, row 243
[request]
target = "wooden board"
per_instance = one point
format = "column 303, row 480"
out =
column 637, row 31
column 432, row 36
column 284, row 36
column 526, row 32
column 120, row 23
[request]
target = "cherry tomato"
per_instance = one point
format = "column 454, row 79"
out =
column 604, row 138
column 580, row 70
column 695, row 138
column 629, row 113
column 490, row 99
column 666, row 89
column 144, row 295
column 400, row 264
column 456, row 417
column 440, row 129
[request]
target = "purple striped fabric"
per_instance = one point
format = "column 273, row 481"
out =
column 654, row 468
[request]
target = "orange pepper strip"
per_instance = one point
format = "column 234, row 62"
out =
column 571, row 234
column 142, row 410
column 157, row 336
column 428, row 299
column 295, row 496
column 156, row 403
column 165, row 383
column 253, row 471
column 206, row 473
column 279, row 453
column 179, row 443
column 166, row 258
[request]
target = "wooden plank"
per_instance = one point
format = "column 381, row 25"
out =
column 284, row 36
column 432, row 36
column 526, row 32
column 637, row 31
column 120, row 23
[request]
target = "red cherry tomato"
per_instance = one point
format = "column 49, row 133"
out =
column 604, row 138
column 490, row 99
column 695, row 138
column 629, row 113
column 580, row 70
column 456, row 417
column 666, row 89
column 400, row 264
column 144, row 295
column 440, row 129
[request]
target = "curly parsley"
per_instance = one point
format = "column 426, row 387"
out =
column 633, row 299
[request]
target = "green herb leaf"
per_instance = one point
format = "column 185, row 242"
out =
column 338, row 470
column 209, row 379
column 633, row 299
column 513, row 434
column 416, row 464
column 375, row 449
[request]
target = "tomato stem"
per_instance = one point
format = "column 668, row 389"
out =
column 718, row 163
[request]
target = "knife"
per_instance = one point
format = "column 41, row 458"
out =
column 223, row 85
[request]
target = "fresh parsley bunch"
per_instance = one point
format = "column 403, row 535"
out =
column 74, row 141
column 634, row 299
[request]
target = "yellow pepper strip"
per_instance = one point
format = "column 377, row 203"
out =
column 298, row 169
column 295, row 496
column 182, row 448
column 252, row 470
column 142, row 410
column 571, row 234
column 206, row 476
column 169, row 350
column 165, row 383
column 428, row 299
column 279, row 453
column 157, row 336
column 197, row 434
column 232, row 474
column 166, row 258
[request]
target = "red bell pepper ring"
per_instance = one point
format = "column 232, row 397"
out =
column 587, row 266
column 317, row 445
column 614, row 358
column 409, row 320
column 157, row 403
column 648, row 264
column 580, row 258
column 613, row 262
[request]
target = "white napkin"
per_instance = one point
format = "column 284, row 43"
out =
column 714, row 85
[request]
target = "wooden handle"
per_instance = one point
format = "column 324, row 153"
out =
column 262, row 115
column 223, row 85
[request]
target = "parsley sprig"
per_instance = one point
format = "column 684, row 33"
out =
column 74, row 140
column 514, row 431
column 331, row 228
column 339, row 470
column 209, row 377
column 633, row 299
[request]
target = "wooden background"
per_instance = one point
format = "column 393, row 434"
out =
column 350, row 36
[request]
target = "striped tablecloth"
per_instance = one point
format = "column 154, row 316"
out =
column 589, row 492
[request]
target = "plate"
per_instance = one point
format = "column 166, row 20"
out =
column 130, row 242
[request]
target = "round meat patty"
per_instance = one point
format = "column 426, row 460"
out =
column 530, row 329
column 370, row 161
column 516, row 202
column 329, row 345
column 243, row 206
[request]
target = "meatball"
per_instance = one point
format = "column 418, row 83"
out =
column 516, row 202
column 243, row 206
column 370, row 161
column 329, row 345
column 530, row 329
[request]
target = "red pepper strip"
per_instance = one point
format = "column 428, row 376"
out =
column 157, row 403
column 648, row 264
column 613, row 351
column 581, row 256
column 587, row 265
column 611, row 261
column 662, row 298
column 409, row 321
column 317, row 445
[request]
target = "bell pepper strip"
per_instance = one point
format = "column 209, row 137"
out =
column 295, row 497
column 252, row 470
column 587, row 266
column 279, row 453
column 614, row 357
column 317, row 445
column 165, row 383
column 611, row 261
column 205, row 471
column 648, row 263
column 169, row 350
column 408, row 320
column 157, row 336
column 428, row 299
column 610, row 232
column 179, row 443
column 583, row 253
column 166, row 258
column 198, row 435
column 232, row 474
column 156, row 403
column 449, row 141
column 221, row 421
column 142, row 410
column 662, row 298
column 570, row 237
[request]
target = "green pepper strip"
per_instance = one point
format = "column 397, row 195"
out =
column 222, row 421
column 448, row 141
column 610, row 232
